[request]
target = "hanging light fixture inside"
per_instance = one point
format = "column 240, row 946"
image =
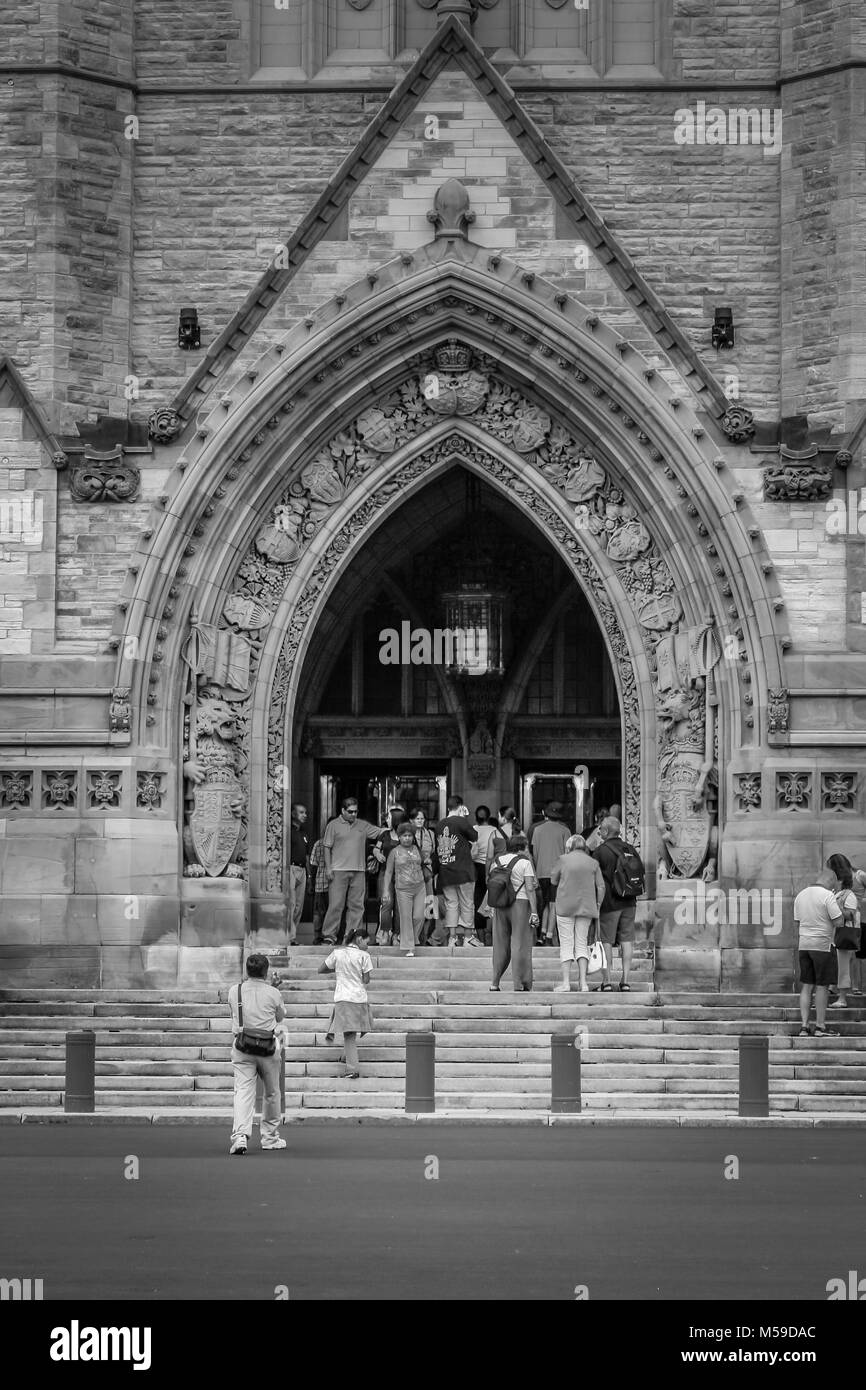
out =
column 474, row 608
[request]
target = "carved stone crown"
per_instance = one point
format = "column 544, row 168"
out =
column 453, row 357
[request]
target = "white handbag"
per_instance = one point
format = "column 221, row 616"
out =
column 597, row 959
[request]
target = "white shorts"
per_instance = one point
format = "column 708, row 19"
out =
column 573, row 935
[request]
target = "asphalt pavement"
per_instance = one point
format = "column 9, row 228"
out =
column 487, row 1212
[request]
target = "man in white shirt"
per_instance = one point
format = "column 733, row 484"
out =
column 262, row 1007
column 817, row 914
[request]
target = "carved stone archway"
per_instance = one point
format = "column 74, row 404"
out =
column 312, row 585
column 578, row 429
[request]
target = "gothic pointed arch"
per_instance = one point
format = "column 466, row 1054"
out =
column 337, row 414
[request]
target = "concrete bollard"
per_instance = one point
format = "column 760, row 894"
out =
column 564, row 1074
column 755, row 1076
column 79, row 1095
column 420, row 1073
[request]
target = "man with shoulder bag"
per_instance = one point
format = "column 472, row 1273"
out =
column 256, row 1008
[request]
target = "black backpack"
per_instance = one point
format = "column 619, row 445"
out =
column 628, row 875
column 500, row 885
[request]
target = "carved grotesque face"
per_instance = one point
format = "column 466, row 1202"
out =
column 217, row 717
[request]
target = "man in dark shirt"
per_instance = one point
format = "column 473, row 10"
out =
column 454, row 839
column 299, row 864
column 617, row 916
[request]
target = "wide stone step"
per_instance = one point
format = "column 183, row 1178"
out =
column 115, row 996
column 66, row 1024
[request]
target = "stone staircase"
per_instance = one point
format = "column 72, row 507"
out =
column 643, row 1052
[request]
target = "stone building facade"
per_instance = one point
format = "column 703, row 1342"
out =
column 424, row 242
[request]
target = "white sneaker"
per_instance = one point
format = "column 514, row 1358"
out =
column 473, row 941
column 239, row 1146
column 409, row 953
column 562, row 989
column 275, row 1144
column 837, row 1004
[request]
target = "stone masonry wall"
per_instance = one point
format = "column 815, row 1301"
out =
column 64, row 257
column 27, row 531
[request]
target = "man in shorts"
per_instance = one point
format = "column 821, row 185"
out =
column 816, row 915
column 617, row 917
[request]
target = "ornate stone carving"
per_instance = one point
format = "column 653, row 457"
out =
column 793, row 791
column 16, row 790
column 481, row 743
column 150, row 790
column 104, row 477
column 530, row 429
column 164, row 424
column 246, row 613
column 798, row 482
column 466, row 384
column 119, row 711
column 452, row 388
column 451, row 213
column 838, row 791
column 103, row 790
column 777, row 711
column 658, row 612
column 213, row 829
column 748, row 791
column 687, row 775
column 59, row 790
column 481, row 771
column 738, row 424
column 584, row 480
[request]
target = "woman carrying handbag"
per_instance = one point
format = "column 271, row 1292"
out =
column 847, row 938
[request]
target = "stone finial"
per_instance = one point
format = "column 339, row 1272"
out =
column 451, row 214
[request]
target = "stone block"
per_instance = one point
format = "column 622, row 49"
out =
column 687, row 967
column 680, row 916
column 267, row 924
column 214, row 912
column 146, row 867
column 130, row 919
column 46, row 967
column 36, row 865
column 209, row 965
column 767, row 970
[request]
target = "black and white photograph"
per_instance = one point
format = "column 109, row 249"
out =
column 432, row 584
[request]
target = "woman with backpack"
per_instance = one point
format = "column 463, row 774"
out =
column 511, row 892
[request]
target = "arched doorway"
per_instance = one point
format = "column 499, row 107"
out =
column 451, row 362
column 387, row 715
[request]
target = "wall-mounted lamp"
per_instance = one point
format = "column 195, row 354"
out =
column 188, row 331
column 723, row 329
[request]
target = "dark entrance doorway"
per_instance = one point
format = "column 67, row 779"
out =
column 380, row 785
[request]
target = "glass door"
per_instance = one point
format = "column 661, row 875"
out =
column 571, row 788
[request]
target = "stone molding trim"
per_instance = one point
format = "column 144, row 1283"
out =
column 121, row 791
column 14, row 388
column 451, row 43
